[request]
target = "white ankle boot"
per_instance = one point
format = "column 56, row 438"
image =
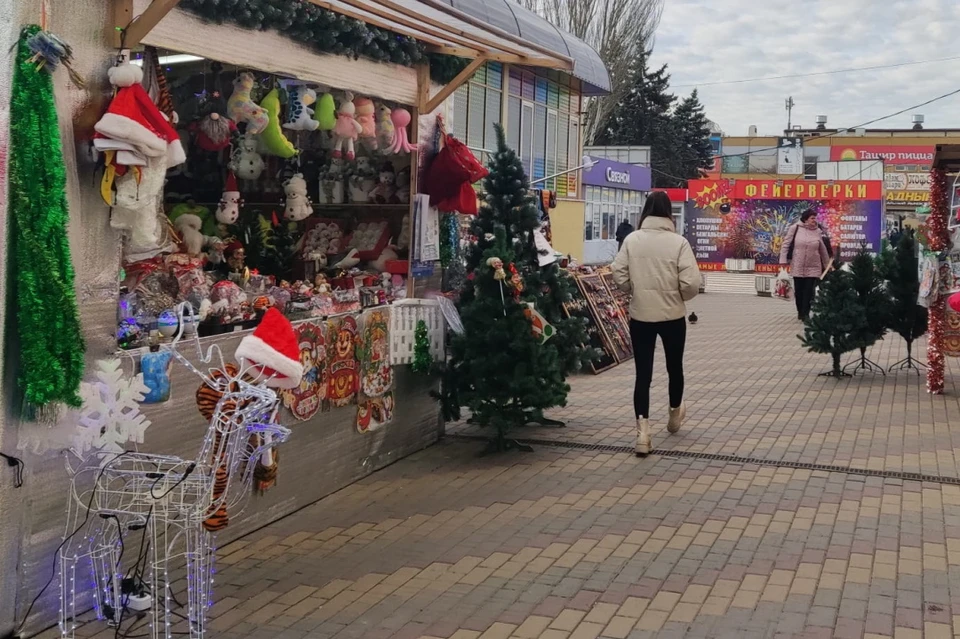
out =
column 676, row 417
column 643, row 437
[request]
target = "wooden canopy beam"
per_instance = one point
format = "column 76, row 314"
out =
column 135, row 31
column 506, row 58
column 432, row 103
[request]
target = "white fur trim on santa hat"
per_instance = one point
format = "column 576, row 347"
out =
column 256, row 351
column 122, row 128
column 175, row 154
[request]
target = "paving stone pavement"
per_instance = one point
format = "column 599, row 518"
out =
column 574, row 543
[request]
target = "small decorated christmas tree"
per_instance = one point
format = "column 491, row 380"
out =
column 498, row 369
column 871, row 291
column 509, row 204
column 838, row 323
column 906, row 318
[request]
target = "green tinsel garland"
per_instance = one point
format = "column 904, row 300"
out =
column 38, row 265
column 421, row 349
column 326, row 31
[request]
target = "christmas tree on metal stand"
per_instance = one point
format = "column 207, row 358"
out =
column 838, row 323
column 907, row 318
column 869, row 285
column 510, row 377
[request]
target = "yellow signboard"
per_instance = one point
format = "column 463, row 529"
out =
column 908, row 197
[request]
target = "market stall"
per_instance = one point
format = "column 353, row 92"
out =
column 247, row 163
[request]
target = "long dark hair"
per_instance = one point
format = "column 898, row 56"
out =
column 657, row 205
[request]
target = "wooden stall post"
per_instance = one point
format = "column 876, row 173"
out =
column 423, row 93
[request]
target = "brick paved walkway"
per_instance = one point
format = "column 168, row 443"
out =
column 573, row 543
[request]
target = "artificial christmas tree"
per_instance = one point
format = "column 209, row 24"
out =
column 907, row 318
column 838, row 323
column 869, row 285
column 509, row 204
column 280, row 250
column 498, row 369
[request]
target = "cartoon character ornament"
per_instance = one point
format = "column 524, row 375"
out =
column 297, row 205
column 343, row 379
column 228, row 211
column 299, row 113
column 347, row 130
column 497, row 265
column 516, row 282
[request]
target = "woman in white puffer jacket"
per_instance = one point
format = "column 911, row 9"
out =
column 657, row 266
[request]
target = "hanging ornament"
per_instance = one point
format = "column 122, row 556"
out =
column 938, row 239
column 48, row 322
column 516, row 282
column 228, row 211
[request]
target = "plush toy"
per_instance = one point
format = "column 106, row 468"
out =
column 402, row 196
column 209, row 222
column 272, row 137
column 388, row 253
column 246, row 162
column 347, row 130
column 386, row 187
column 368, row 127
column 401, row 143
column 299, row 113
column 384, row 127
column 188, row 226
column 326, row 113
column 241, row 108
column 229, row 209
column 297, row 206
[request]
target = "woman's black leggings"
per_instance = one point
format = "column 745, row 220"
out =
column 644, row 337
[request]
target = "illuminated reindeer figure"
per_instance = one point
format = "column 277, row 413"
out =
column 169, row 503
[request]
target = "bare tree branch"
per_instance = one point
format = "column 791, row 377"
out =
column 617, row 29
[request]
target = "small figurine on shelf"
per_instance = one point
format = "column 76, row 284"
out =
column 347, row 130
column 297, row 205
column 236, row 257
column 386, row 188
column 228, row 211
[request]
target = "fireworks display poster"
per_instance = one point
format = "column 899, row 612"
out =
column 750, row 219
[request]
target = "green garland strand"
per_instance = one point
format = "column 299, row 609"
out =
column 38, row 265
column 326, row 31
column 422, row 361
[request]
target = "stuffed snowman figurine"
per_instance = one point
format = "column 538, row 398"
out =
column 246, row 162
column 297, row 205
column 229, row 208
column 347, row 130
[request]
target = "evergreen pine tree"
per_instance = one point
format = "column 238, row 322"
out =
column 642, row 117
column 907, row 318
column 838, row 323
column 871, row 291
column 497, row 369
column 692, row 138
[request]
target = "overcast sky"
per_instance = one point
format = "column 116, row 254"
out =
column 712, row 40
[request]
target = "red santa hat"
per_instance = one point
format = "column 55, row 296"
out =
column 231, row 185
column 273, row 350
column 134, row 124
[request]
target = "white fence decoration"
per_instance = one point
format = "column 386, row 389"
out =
column 403, row 325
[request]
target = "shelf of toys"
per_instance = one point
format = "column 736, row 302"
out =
column 266, row 193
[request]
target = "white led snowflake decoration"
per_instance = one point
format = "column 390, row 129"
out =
column 110, row 416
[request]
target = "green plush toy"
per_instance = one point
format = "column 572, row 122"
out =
column 209, row 227
column 272, row 139
column 326, row 112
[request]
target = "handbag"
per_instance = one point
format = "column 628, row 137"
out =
column 449, row 178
